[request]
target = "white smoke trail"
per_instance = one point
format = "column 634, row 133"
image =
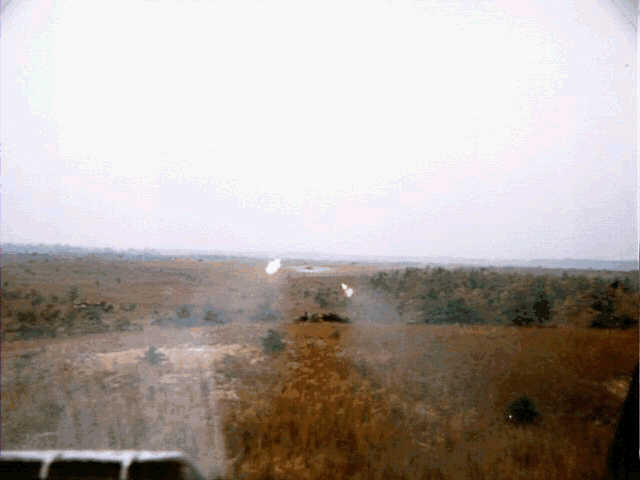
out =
column 273, row 266
column 348, row 291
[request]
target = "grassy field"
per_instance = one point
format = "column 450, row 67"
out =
column 171, row 354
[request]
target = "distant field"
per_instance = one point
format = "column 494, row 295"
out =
column 178, row 354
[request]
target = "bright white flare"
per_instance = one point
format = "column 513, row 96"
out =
column 273, row 266
column 348, row 291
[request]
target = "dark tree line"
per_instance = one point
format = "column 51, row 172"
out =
column 471, row 296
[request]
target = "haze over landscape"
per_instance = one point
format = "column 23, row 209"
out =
column 295, row 240
column 481, row 129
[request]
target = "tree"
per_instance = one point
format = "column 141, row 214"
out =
column 455, row 310
column 542, row 307
column 605, row 303
column 519, row 309
column 522, row 315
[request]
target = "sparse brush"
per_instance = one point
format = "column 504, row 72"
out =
column 73, row 294
column 153, row 356
column 272, row 342
column 123, row 324
column 211, row 316
column 37, row 299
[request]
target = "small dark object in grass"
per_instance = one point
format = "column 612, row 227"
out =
column 522, row 411
column 273, row 343
column 323, row 317
column 334, row 317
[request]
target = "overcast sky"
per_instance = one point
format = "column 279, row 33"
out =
column 494, row 129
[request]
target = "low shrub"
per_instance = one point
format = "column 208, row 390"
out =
column 125, row 325
column 272, row 342
column 211, row 316
column 153, row 356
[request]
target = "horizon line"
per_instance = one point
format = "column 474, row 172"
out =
column 283, row 253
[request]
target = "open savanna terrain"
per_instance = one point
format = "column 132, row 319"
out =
column 206, row 356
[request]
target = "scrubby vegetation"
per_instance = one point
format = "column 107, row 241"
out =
column 154, row 356
column 35, row 320
column 128, row 307
column 422, row 391
column 28, row 315
column 272, row 342
column 212, row 317
column 330, row 296
column 438, row 295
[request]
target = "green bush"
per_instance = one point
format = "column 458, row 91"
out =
column 125, row 325
column 454, row 310
column 272, row 342
column 153, row 356
column 605, row 304
column 30, row 327
column 94, row 314
column 506, row 295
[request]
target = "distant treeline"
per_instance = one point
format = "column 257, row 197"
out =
column 51, row 251
column 301, row 257
column 438, row 295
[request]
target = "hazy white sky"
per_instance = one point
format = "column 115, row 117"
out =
column 495, row 129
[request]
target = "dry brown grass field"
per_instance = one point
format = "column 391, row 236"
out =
column 374, row 398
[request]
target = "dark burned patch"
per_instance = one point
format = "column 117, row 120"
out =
column 323, row 317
